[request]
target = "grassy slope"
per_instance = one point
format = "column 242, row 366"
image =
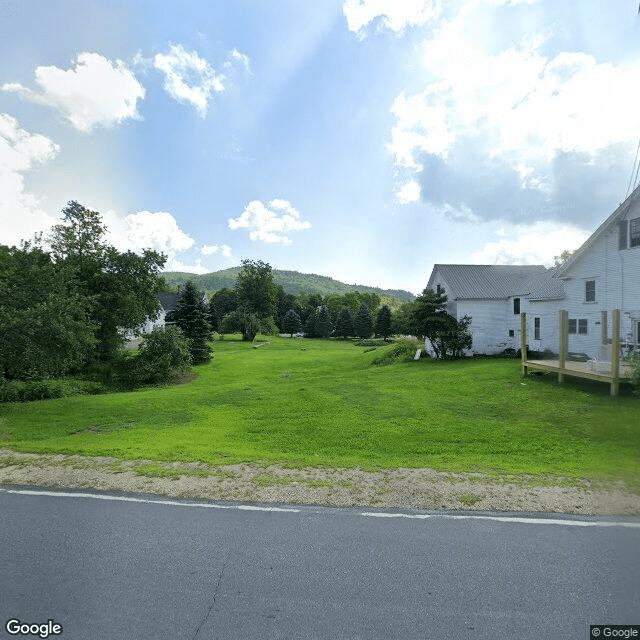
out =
column 321, row 403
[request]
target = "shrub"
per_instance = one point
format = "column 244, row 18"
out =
column 163, row 354
column 634, row 362
column 19, row 391
column 403, row 350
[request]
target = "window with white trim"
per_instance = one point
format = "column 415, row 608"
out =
column 536, row 328
column 590, row 291
column 582, row 326
column 516, row 306
column 623, row 234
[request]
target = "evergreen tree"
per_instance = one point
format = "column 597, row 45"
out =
column 322, row 327
column 291, row 323
column 383, row 322
column 191, row 316
column 344, row 323
column 310, row 324
column 363, row 324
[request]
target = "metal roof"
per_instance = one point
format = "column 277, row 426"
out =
column 499, row 282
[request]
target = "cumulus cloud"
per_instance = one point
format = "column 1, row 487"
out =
column 395, row 16
column 21, row 215
column 224, row 250
column 506, row 132
column 96, row 91
column 538, row 243
column 270, row 222
column 408, row 192
column 157, row 230
column 189, row 78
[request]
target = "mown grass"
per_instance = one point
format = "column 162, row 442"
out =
column 322, row 403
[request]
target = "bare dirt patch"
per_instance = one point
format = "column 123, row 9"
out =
column 398, row 488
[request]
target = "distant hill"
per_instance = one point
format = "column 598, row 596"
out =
column 292, row 282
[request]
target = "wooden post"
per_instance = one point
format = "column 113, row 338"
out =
column 523, row 342
column 563, row 347
column 615, row 351
column 603, row 327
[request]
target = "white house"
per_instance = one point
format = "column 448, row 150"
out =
column 602, row 275
column 168, row 302
column 493, row 296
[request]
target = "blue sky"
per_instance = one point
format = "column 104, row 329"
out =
column 361, row 139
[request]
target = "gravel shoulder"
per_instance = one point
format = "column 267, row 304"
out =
column 397, row 488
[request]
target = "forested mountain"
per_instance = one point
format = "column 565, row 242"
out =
column 292, row 282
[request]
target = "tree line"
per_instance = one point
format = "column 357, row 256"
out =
column 69, row 303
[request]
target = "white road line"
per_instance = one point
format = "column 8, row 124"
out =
column 366, row 514
column 97, row 496
column 568, row 523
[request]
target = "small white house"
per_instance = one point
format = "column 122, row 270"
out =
column 493, row 296
column 168, row 302
column 602, row 275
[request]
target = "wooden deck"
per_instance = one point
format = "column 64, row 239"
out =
column 578, row 370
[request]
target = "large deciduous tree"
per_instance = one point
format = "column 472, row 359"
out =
column 45, row 323
column 257, row 294
column 122, row 287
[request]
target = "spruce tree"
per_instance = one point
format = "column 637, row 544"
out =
column 191, row 316
column 344, row 323
column 383, row 322
column 363, row 324
column 291, row 323
column 322, row 327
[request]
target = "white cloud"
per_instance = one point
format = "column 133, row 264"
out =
column 539, row 243
column 235, row 57
column 157, row 230
column 94, row 92
column 269, row 222
column 21, row 215
column 224, row 250
column 176, row 265
column 408, row 192
column 394, row 15
column 188, row 77
column 516, row 104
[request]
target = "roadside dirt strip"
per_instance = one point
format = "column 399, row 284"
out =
column 399, row 488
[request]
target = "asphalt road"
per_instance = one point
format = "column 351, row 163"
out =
column 106, row 568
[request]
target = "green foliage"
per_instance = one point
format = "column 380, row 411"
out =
column 190, row 315
column 292, row 323
column 20, row 391
column 322, row 327
column 122, row 287
column 45, row 327
column 402, row 350
column 268, row 327
column 344, row 323
column 292, row 282
column 634, row 363
column 162, row 356
column 363, row 324
column 383, row 322
column 255, row 289
column 428, row 317
column 221, row 303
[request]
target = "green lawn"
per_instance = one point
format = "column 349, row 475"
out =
column 322, row 403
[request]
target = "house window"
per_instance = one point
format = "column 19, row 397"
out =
column 634, row 233
column 516, row 306
column 578, row 326
column 536, row 328
column 512, row 333
column 623, row 234
column 590, row 291
column 439, row 289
